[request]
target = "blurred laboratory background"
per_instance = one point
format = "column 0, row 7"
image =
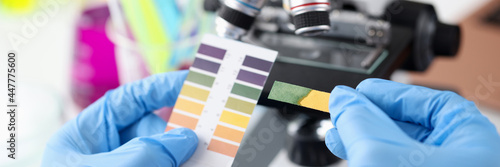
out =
column 72, row 51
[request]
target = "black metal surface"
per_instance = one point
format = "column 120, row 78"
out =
column 430, row 38
column 305, row 147
column 422, row 19
column 326, row 79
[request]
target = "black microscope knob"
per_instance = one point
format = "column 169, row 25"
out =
column 446, row 40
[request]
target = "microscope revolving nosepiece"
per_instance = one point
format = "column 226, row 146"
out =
column 236, row 17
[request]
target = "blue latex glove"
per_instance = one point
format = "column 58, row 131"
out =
column 120, row 130
column 384, row 123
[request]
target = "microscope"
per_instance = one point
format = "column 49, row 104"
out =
column 321, row 44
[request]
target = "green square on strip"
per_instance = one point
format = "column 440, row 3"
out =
column 288, row 93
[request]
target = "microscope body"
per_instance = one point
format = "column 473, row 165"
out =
column 324, row 43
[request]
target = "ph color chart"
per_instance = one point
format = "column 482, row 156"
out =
column 219, row 95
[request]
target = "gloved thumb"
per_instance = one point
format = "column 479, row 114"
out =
column 334, row 143
column 360, row 124
column 171, row 149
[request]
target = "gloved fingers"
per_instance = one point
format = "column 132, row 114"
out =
column 128, row 103
column 97, row 128
column 416, row 132
column 334, row 143
column 172, row 148
column 148, row 125
column 358, row 120
column 442, row 111
column 409, row 103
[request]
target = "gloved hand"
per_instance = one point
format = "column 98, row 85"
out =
column 384, row 123
column 120, row 130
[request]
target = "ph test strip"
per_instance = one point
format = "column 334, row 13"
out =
column 219, row 96
column 300, row 96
